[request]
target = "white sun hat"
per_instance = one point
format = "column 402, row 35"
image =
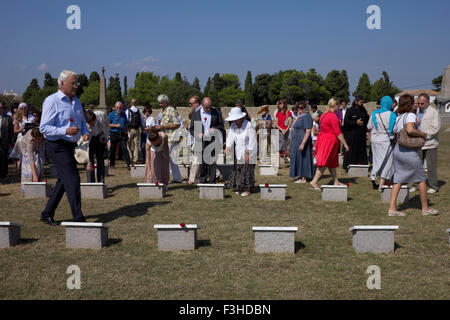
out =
column 235, row 114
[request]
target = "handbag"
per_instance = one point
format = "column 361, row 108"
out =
column 391, row 138
column 407, row 141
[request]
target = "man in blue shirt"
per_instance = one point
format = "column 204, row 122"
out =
column 62, row 125
column 119, row 134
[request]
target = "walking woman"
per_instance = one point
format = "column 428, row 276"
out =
column 327, row 145
column 301, row 146
column 381, row 124
column 23, row 117
column 243, row 136
column 407, row 164
column 283, row 123
column 33, row 155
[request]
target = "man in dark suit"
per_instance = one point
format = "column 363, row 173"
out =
column 6, row 140
column 212, row 128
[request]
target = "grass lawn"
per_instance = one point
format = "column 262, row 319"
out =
column 225, row 265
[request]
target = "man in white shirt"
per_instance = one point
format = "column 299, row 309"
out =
column 430, row 124
column 134, row 120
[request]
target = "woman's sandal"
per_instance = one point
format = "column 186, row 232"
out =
column 430, row 212
column 395, row 213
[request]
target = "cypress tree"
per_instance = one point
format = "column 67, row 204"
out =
column 363, row 87
column 248, row 91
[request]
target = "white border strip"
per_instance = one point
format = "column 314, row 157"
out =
column 14, row 224
column 275, row 229
column 175, row 226
column 85, row 224
column 373, row 228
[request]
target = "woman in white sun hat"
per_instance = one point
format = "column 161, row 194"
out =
column 243, row 136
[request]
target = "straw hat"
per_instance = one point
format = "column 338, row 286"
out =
column 235, row 114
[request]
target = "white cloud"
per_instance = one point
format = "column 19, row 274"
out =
column 144, row 64
column 42, row 67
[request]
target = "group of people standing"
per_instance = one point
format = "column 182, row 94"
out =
column 313, row 142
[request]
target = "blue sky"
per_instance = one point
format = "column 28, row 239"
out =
column 200, row 38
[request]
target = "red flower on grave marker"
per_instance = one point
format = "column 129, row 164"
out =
column 95, row 167
column 359, row 164
column 267, row 185
column 347, row 184
column 389, row 184
column 45, row 180
column 182, row 225
column 157, row 183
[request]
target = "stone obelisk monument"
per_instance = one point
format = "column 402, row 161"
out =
column 102, row 106
column 444, row 98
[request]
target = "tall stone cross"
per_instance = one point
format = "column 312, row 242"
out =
column 102, row 106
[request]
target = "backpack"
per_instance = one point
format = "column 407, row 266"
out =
column 135, row 122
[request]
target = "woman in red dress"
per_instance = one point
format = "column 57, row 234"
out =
column 327, row 145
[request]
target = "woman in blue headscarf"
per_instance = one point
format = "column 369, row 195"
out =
column 381, row 124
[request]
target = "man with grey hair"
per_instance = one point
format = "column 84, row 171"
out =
column 430, row 123
column 118, row 133
column 209, row 119
column 62, row 124
column 170, row 122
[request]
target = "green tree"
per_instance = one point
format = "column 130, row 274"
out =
column 261, row 89
column 229, row 80
column 114, row 90
column 275, row 87
column 180, row 91
column 207, row 87
column 217, row 80
column 94, row 76
column 248, row 91
column 337, row 84
column 196, row 84
column 49, row 81
column 145, row 89
column 315, row 77
column 7, row 101
column 83, row 82
column 178, row 77
column 213, row 95
column 125, row 86
column 91, row 94
column 229, row 95
column 363, row 87
column 292, row 94
column 33, row 95
column 437, row 83
column 383, row 87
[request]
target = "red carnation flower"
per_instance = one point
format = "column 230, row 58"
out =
column 182, row 225
column 45, row 180
column 267, row 185
column 71, row 120
column 359, row 164
column 157, row 183
column 389, row 184
column 347, row 184
column 95, row 167
column 205, row 119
